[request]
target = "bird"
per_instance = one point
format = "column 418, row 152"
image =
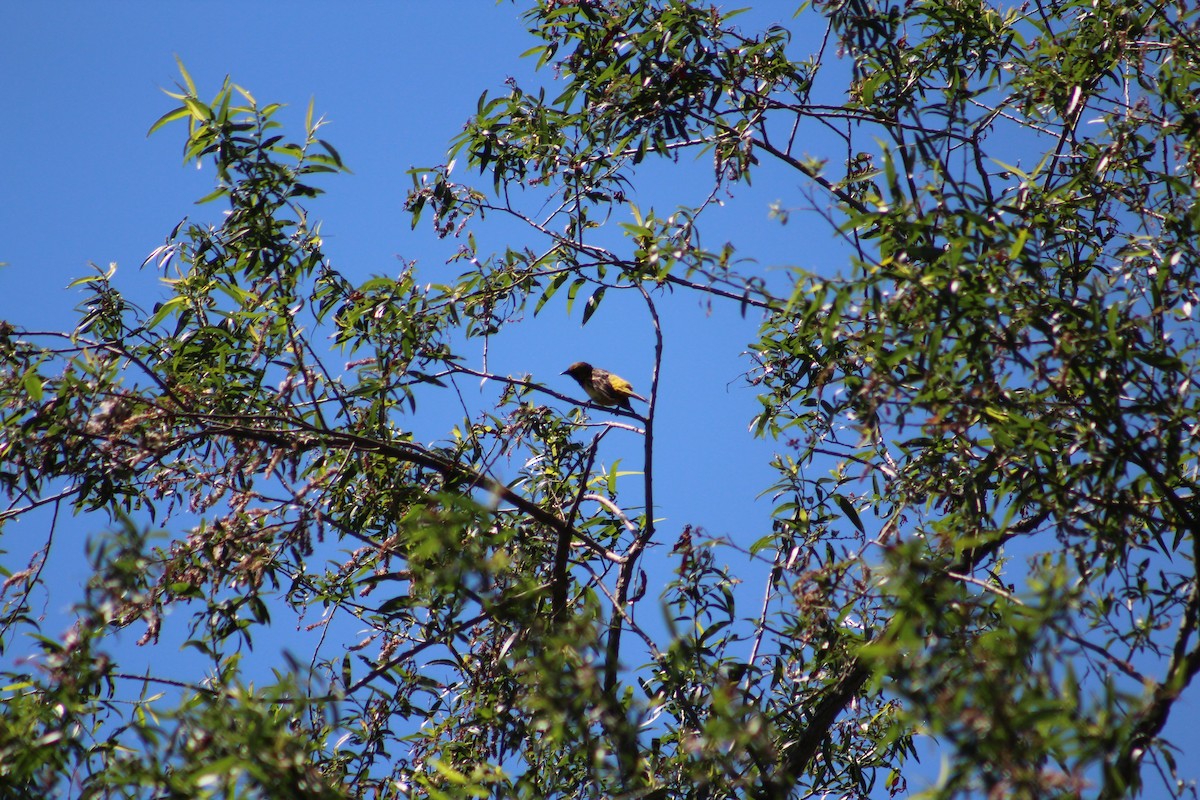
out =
column 603, row 387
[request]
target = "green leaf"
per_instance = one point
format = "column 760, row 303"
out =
column 849, row 510
column 215, row 194
column 34, row 385
column 333, row 154
column 573, row 290
column 593, row 303
column 551, row 290
column 164, row 309
column 169, row 117
column 187, row 79
column 199, row 111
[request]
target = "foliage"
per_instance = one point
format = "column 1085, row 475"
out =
column 987, row 507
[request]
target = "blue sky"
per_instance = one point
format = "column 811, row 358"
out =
column 80, row 182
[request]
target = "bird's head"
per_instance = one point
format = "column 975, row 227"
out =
column 580, row 371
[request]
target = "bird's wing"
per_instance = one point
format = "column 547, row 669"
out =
column 625, row 387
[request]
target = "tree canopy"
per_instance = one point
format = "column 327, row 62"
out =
column 985, row 502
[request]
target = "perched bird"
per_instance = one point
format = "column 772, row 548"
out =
column 602, row 386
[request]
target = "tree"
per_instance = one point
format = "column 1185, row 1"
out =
column 986, row 513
